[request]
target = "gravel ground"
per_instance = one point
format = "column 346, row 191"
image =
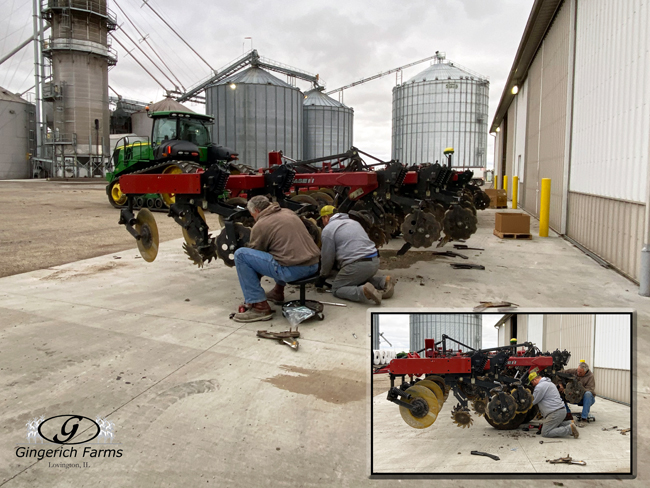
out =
column 48, row 223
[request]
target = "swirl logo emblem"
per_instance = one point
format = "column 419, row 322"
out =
column 69, row 429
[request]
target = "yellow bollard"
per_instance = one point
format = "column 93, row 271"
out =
column 505, row 182
column 545, row 206
column 515, row 190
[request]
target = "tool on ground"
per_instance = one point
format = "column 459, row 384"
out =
column 611, row 428
column 467, row 248
column 484, row 305
column 479, row 453
column 466, row 266
column 334, row 304
column 549, row 442
column 566, row 460
column 450, row 254
column 624, row 431
column 287, row 337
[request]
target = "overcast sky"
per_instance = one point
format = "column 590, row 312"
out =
column 396, row 331
column 342, row 41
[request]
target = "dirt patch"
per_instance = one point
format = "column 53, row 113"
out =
column 66, row 274
column 388, row 259
column 323, row 384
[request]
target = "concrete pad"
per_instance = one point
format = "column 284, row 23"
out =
column 200, row 399
column 445, row 448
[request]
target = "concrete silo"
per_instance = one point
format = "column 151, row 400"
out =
column 80, row 55
column 327, row 125
column 443, row 106
column 17, row 135
column 256, row 113
column 466, row 328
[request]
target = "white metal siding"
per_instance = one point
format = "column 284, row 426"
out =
column 531, row 188
column 502, row 336
column 536, row 330
column 571, row 332
column 613, row 383
column 612, row 344
column 610, row 228
column 520, row 136
column 522, row 328
column 555, row 69
column 611, row 114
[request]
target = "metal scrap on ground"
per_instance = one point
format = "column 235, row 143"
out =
column 484, row 305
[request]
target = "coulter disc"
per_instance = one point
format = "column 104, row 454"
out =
column 420, row 229
column 437, row 391
column 480, row 406
column 502, row 408
column 226, row 249
column 461, row 417
column 322, row 198
column 146, row 226
column 428, row 408
column 524, row 399
column 459, row 223
column 247, row 220
column 190, row 241
column 481, row 200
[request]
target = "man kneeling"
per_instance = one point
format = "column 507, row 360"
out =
column 346, row 243
column 280, row 247
column 551, row 407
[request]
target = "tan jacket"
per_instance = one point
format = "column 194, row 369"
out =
column 587, row 380
column 281, row 233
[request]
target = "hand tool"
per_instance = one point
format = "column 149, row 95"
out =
column 566, row 460
column 335, row 304
column 450, row 254
column 479, row 453
column 548, row 442
column 287, row 337
column 466, row 266
column 467, row 248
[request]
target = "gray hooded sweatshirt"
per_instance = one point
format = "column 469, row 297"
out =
column 547, row 397
column 344, row 241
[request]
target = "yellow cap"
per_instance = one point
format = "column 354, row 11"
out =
column 532, row 376
column 514, row 339
column 327, row 210
column 449, row 150
column 582, row 360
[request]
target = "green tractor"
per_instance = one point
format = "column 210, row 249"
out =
column 180, row 143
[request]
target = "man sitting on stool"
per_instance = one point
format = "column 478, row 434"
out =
column 551, row 407
column 344, row 241
column 280, row 247
column 586, row 379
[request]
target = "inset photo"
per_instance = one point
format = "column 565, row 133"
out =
column 525, row 393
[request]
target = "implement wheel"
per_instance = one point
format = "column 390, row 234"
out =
column 115, row 195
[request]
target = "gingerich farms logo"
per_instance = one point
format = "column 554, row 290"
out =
column 66, row 439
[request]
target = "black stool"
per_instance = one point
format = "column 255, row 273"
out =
column 314, row 305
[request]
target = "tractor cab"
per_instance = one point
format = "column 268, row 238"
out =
column 180, row 136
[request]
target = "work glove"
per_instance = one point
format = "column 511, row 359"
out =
column 320, row 282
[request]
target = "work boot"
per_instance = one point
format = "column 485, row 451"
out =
column 276, row 295
column 258, row 312
column 389, row 288
column 568, row 416
column 582, row 422
column 371, row 293
column 574, row 430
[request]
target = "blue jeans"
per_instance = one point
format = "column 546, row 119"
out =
column 587, row 401
column 252, row 264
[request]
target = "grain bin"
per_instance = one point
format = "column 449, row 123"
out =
column 327, row 125
column 466, row 328
column 256, row 113
column 17, row 132
column 443, row 106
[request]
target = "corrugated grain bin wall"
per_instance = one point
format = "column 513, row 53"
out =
column 17, row 130
column 327, row 125
column 466, row 328
column 443, row 106
column 261, row 114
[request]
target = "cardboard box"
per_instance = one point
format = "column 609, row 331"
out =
column 512, row 223
column 498, row 198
